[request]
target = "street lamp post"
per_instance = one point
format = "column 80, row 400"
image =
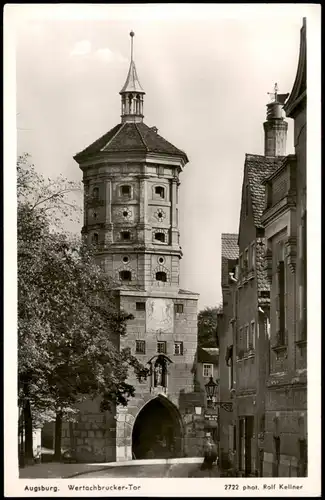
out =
column 211, row 389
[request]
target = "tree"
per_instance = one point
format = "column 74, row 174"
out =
column 69, row 322
column 207, row 326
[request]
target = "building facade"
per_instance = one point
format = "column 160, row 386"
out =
column 266, row 302
column 227, row 345
column 131, row 182
column 207, row 367
column 284, row 219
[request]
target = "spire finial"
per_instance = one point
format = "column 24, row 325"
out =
column 274, row 95
column 131, row 35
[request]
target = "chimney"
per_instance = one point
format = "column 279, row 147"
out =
column 275, row 128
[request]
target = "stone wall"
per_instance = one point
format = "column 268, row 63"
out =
column 92, row 437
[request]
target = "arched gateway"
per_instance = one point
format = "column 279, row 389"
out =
column 157, row 431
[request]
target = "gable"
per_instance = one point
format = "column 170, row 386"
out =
column 299, row 89
column 246, row 231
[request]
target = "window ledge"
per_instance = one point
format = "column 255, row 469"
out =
column 279, row 347
column 301, row 343
column 247, row 355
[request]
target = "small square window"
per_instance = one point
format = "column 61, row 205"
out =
column 161, row 347
column 125, row 235
column 160, row 191
column 207, row 370
column 178, row 348
column 126, row 191
column 140, row 347
column 140, row 306
column 160, row 237
column 161, row 276
column 179, row 308
column 125, row 275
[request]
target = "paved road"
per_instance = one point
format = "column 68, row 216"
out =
column 162, row 470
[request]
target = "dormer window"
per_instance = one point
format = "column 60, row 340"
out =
column 125, row 235
column 125, row 275
column 125, row 191
column 160, row 237
column 161, row 276
column 160, row 191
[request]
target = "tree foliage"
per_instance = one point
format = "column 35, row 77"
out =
column 69, row 320
column 207, row 326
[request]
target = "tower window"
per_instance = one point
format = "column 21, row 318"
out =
column 179, row 308
column 126, row 191
column 160, row 237
column 140, row 347
column 125, row 275
column 125, row 235
column 125, row 259
column 96, row 193
column 140, row 306
column 161, row 276
column 161, row 347
column 178, row 348
column 160, row 191
column 95, row 238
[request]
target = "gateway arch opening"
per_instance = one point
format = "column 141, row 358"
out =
column 157, row 431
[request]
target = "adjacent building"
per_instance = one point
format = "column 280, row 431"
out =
column 227, row 345
column 284, row 219
column 207, row 367
column 263, row 336
column 131, row 182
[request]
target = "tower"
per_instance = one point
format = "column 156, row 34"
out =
column 131, row 181
column 275, row 127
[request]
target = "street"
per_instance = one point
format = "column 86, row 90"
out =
column 161, row 470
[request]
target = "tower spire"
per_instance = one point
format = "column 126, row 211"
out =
column 132, row 93
column 131, row 35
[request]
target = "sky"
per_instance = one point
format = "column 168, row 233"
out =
column 206, row 71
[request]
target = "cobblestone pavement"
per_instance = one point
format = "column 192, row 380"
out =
column 162, row 470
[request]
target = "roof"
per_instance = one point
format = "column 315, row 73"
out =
column 299, row 89
column 187, row 292
column 229, row 251
column 131, row 137
column 208, row 355
column 132, row 83
column 258, row 169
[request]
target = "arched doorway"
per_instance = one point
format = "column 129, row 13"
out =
column 157, row 431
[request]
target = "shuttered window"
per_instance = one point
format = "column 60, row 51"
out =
column 280, row 304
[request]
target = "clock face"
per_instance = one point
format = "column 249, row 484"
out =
column 160, row 214
column 126, row 213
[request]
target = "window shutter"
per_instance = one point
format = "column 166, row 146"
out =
column 282, row 300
